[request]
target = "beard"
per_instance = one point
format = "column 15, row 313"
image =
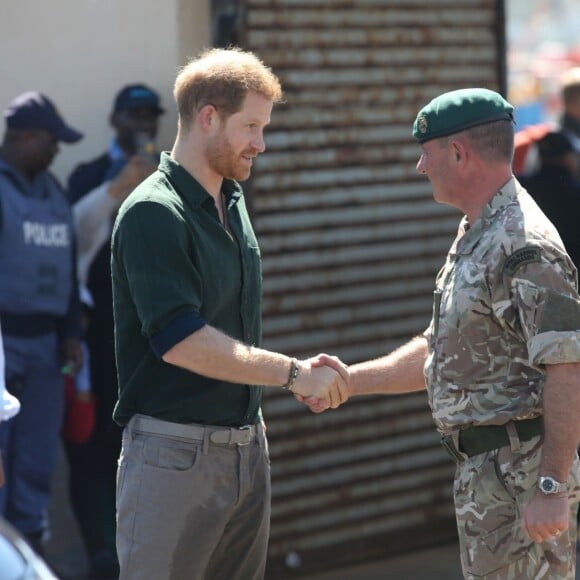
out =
column 225, row 161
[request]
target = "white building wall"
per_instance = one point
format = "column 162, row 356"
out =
column 81, row 52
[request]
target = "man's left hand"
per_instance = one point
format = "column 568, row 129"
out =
column 546, row 516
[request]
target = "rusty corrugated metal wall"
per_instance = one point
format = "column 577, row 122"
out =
column 351, row 240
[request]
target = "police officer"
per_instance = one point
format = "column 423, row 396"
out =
column 39, row 305
column 501, row 357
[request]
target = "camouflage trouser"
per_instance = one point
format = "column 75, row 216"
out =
column 491, row 491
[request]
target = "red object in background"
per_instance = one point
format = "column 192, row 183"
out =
column 79, row 418
column 524, row 143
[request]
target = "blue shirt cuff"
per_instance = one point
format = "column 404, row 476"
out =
column 179, row 329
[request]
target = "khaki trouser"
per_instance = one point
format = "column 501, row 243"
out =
column 193, row 502
column 491, row 491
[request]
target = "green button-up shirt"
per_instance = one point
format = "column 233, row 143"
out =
column 174, row 269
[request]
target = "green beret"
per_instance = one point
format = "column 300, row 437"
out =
column 455, row 111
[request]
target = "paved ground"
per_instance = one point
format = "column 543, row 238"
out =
column 441, row 563
column 64, row 550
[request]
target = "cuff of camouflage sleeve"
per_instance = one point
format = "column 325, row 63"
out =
column 552, row 347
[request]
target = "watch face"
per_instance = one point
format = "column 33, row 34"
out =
column 548, row 485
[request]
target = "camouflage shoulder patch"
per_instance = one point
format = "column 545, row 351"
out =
column 521, row 257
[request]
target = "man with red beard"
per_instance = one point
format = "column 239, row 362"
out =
column 193, row 496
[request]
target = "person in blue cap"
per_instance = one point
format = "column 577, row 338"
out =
column 39, row 305
column 501, row 357
column 96, row 190
column 98, row 187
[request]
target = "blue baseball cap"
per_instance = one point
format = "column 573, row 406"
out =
column 134, row 96
column 31, row 110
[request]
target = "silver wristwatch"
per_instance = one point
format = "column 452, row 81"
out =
column 548, row 485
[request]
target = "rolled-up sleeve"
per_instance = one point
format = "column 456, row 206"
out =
column 550, row 322
column 164, row 283
column 175, row 332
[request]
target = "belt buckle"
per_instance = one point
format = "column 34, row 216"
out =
column 245, row 428
column 449, row 446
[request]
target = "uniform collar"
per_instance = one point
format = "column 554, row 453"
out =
column 190, row 188
column 469, row 235
column 35, row 188
column 6, row 167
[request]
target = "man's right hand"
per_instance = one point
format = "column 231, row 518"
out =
column 134, row 172
column 323, row 383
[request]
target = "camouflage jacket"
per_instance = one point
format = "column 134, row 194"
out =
column 505, row 305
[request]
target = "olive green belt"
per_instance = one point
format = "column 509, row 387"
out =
column 484, row 438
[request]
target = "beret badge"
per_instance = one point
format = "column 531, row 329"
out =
column 422, row 124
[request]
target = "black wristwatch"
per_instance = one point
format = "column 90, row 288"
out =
column 548, row 485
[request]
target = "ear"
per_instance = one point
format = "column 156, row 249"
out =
column 208, row 118
column 458, row 152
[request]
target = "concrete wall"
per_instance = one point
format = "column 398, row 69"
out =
column 81, row 52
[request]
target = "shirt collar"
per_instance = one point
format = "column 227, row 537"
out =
column 115, row 151
column 469, row 235
column 190, row 188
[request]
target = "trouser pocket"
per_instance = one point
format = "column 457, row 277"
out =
column 488, row 518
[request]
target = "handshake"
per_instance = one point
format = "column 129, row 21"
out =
column 322, row 382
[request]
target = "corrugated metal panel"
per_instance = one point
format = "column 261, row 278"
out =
column 351, row 240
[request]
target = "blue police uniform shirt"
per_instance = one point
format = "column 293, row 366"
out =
column 36, row 245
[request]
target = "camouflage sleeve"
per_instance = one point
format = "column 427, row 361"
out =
column 550, row 321
column 542, row 306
